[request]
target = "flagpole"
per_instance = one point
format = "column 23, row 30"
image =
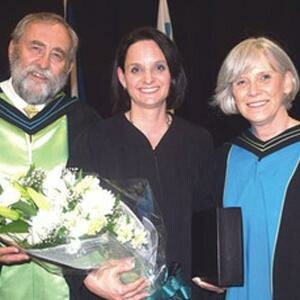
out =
column 73, row 73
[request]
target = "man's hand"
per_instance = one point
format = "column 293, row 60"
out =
column 105, row 282
column 12, row 255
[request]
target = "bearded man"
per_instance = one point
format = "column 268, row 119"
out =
column 39, row 125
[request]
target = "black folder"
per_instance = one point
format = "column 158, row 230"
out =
column 218, row 246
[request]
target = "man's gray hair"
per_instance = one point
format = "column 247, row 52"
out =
column 48, row 18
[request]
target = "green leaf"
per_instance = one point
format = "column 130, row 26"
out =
column 9, row 213
column 27, row 209
column 39, row 199
column 18, row 226
column 80, row 175
column 20, row 188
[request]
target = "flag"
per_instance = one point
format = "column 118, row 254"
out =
column 76, row 80
column 163, row 19
column 164, row 23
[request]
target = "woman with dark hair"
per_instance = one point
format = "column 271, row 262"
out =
column 178, row 81
column 146, row 140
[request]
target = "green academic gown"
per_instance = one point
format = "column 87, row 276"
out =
column 43, row 141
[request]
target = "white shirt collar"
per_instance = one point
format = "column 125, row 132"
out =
column 16, row 100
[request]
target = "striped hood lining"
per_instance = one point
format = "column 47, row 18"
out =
column 54, row 110
column 248, row 141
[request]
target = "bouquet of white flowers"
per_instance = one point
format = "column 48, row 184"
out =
column 80, row 221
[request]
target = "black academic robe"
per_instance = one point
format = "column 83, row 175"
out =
column 177, row 170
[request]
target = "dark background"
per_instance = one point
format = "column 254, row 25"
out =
column 204, row 31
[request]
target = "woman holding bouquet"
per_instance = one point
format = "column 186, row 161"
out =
column 259, row 81
column 147, row 140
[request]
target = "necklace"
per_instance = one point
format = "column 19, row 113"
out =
column 169, row 118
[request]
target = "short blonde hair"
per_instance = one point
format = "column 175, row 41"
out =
column 243, row 58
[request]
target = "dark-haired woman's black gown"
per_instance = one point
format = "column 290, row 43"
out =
column 177, row 171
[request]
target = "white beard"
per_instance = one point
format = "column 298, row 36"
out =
column 31, row 91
